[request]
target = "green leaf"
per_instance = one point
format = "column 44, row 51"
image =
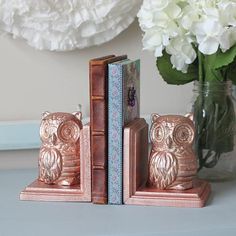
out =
column 231, row 72
column 226, row 58
column 210, row 72
column 221, row 65
column 173, row 76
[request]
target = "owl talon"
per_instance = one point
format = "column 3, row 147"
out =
column 183, row 186
column 68, row 181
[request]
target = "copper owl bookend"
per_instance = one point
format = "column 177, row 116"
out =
column 172, row 162
column 165, row 175
column 64, row 160
column 59, row 156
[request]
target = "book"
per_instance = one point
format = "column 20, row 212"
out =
column 98, row 73
column 123, row 107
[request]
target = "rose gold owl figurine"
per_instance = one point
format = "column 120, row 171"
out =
column 172, row 162
column 59, row 157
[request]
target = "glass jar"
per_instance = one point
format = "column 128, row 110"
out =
column 214, row 115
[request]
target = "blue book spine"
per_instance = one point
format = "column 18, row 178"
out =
column 115, row 134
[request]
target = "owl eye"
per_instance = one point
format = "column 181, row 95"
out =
column 183, row 134
column 158, row 133
column 45, row 130
column 69, row 131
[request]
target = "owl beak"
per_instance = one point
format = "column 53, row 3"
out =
column 54, row 139
column 169, row 142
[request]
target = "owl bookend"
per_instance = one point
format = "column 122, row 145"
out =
column 165, row 175
column 64, row 160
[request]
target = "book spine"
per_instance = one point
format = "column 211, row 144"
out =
column 98, row 116
column 115, row 134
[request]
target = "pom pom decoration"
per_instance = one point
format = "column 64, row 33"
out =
column 63, row 25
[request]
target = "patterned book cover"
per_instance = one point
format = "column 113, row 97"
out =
column 123, row 107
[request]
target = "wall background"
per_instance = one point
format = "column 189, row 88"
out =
column 35, row 81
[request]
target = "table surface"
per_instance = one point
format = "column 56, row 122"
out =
column 59, row 218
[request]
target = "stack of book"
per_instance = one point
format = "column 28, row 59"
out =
column 114, row 102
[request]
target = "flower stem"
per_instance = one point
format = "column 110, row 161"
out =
column 200, row 67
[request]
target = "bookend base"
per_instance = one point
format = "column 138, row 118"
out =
column 195, row 197
column 39, row 191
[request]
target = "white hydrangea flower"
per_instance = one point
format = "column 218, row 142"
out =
column 208, row 33
column 157, row 20
column 153, row 41
column 190, row 15
column 182, row 53
column 159, row 5
column 227, row 11
column 228, row 39
column 180, row 26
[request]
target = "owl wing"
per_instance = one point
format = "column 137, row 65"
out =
column 50, row 165
column 163, row 169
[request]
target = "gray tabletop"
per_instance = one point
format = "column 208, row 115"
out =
column 58, row 218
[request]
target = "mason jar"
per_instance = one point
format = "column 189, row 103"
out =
column 214, row 107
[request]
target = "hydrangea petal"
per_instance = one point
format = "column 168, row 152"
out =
column 228, row 39
column 209, row 46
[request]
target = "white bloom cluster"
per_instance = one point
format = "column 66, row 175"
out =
column 66, row 24
column 181, row 26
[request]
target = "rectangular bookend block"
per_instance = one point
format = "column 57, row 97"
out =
column 39, row 191
column 136, row 191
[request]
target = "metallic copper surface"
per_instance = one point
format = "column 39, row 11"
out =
column 137, row 192
column 59, row 157
column 172, row 162
column 41, row 191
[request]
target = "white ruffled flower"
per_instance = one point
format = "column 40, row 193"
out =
column 66, row 24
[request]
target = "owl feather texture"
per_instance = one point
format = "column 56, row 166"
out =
column 172, row 162
column 59, row 157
